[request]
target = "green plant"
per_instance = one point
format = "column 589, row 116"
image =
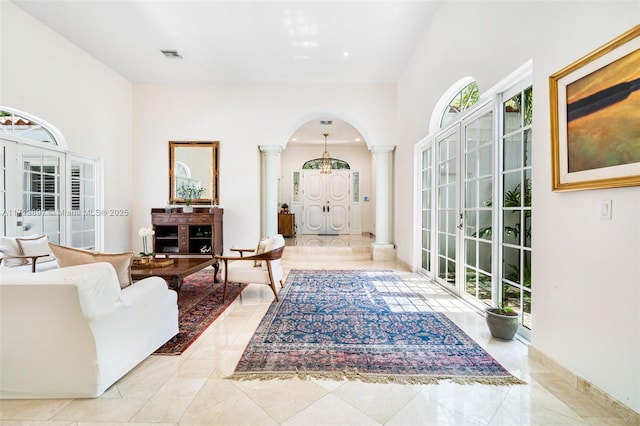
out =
column 190, row 192
column 503, row 309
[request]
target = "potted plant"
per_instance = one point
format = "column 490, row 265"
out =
column 189, row 193
column 503, row 322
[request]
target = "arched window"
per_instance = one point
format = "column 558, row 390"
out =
column 462, row 101
column 48, row 190
column 16, row 123
column 335, row 164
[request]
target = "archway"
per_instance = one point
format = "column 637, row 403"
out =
column 341, row 201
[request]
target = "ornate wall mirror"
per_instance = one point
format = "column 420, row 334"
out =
column 195, row 165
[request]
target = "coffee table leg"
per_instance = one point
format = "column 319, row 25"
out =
column 175, row 284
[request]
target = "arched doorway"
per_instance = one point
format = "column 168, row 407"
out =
column 336, row 203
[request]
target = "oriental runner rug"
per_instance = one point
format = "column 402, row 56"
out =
column 199, row 304
column 338, row 325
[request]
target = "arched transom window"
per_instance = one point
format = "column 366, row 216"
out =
column 14, row 123
column 462, row 101
column 335, row 164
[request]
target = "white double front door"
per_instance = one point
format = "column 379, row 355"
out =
column 326, row 202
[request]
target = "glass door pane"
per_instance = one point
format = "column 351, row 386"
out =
column 516, row 204
column 83, row 203
column 478, row 208
column 447, row 207
column 426, row 192
column 41, row 195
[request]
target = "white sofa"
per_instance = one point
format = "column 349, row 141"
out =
column 73, row 332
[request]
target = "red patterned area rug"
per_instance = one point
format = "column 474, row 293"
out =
column 355, row 325
column 199, row 304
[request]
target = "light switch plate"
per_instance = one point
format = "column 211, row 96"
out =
column 605, row 209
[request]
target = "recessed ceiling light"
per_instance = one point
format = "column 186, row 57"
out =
column 294, row 139
column 171, row 54
column 345, row 53
column 358, row 139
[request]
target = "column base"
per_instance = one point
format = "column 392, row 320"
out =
column 383, row 252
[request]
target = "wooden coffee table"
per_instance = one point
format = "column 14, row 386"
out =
column 174, row 274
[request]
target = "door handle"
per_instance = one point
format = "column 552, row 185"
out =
column 323, row 209
column 327, row 209
column 460, row 225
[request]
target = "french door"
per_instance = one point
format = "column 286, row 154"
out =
column 48, row 191
column 325, row 205
column 464, row 207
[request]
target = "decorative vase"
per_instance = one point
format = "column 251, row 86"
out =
column 502, row 327
column 187, row 209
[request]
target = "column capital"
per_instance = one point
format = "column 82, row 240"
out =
column 382, row 149
column 270, row 149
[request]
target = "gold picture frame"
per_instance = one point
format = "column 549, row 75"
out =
column 595, row 118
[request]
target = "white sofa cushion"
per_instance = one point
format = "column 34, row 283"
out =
column 273, row 243
column 35, row 246
column 9, row 246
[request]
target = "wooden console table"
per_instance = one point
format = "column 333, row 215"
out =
column 197, row 233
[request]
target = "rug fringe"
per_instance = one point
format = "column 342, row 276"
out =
column 373, row 378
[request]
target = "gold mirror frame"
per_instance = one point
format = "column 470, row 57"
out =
column 208, row 182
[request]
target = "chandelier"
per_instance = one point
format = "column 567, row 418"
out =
column 325, row 162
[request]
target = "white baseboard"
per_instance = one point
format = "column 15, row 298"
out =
column 628, row 415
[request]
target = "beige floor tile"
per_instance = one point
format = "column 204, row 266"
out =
column 282, row 398
column 100, row 409
column 220, row 402
column 330, row 410
column 35, row 423
column 124, row 424
column 163, row 409
column 37, row 409
column 379, row 401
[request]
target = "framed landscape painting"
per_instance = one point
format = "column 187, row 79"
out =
column 595, row 118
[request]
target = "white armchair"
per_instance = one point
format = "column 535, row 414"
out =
column 263, row 267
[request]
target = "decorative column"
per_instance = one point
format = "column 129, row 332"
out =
column 270, row 155
column 383, row 249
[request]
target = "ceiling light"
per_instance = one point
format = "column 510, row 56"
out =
column 171, row 54
column 345, row 53
column 325, row 162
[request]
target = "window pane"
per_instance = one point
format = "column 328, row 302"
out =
column 512, row 114
column 511, row 189
column 528, row 139
column 512, row 152
column 528, row 106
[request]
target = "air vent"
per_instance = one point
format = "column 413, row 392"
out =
column 326, row 122
column 171, row 54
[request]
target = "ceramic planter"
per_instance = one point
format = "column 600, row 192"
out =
column 503, row 327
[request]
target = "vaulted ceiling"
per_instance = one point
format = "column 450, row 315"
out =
column 245, row 41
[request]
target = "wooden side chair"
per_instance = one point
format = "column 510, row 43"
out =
column 262, row 267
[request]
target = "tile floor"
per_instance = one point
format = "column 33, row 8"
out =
column 191, row 389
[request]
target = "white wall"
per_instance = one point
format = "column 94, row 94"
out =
column 586, row 272
column 44, row 75
column 242, row 117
